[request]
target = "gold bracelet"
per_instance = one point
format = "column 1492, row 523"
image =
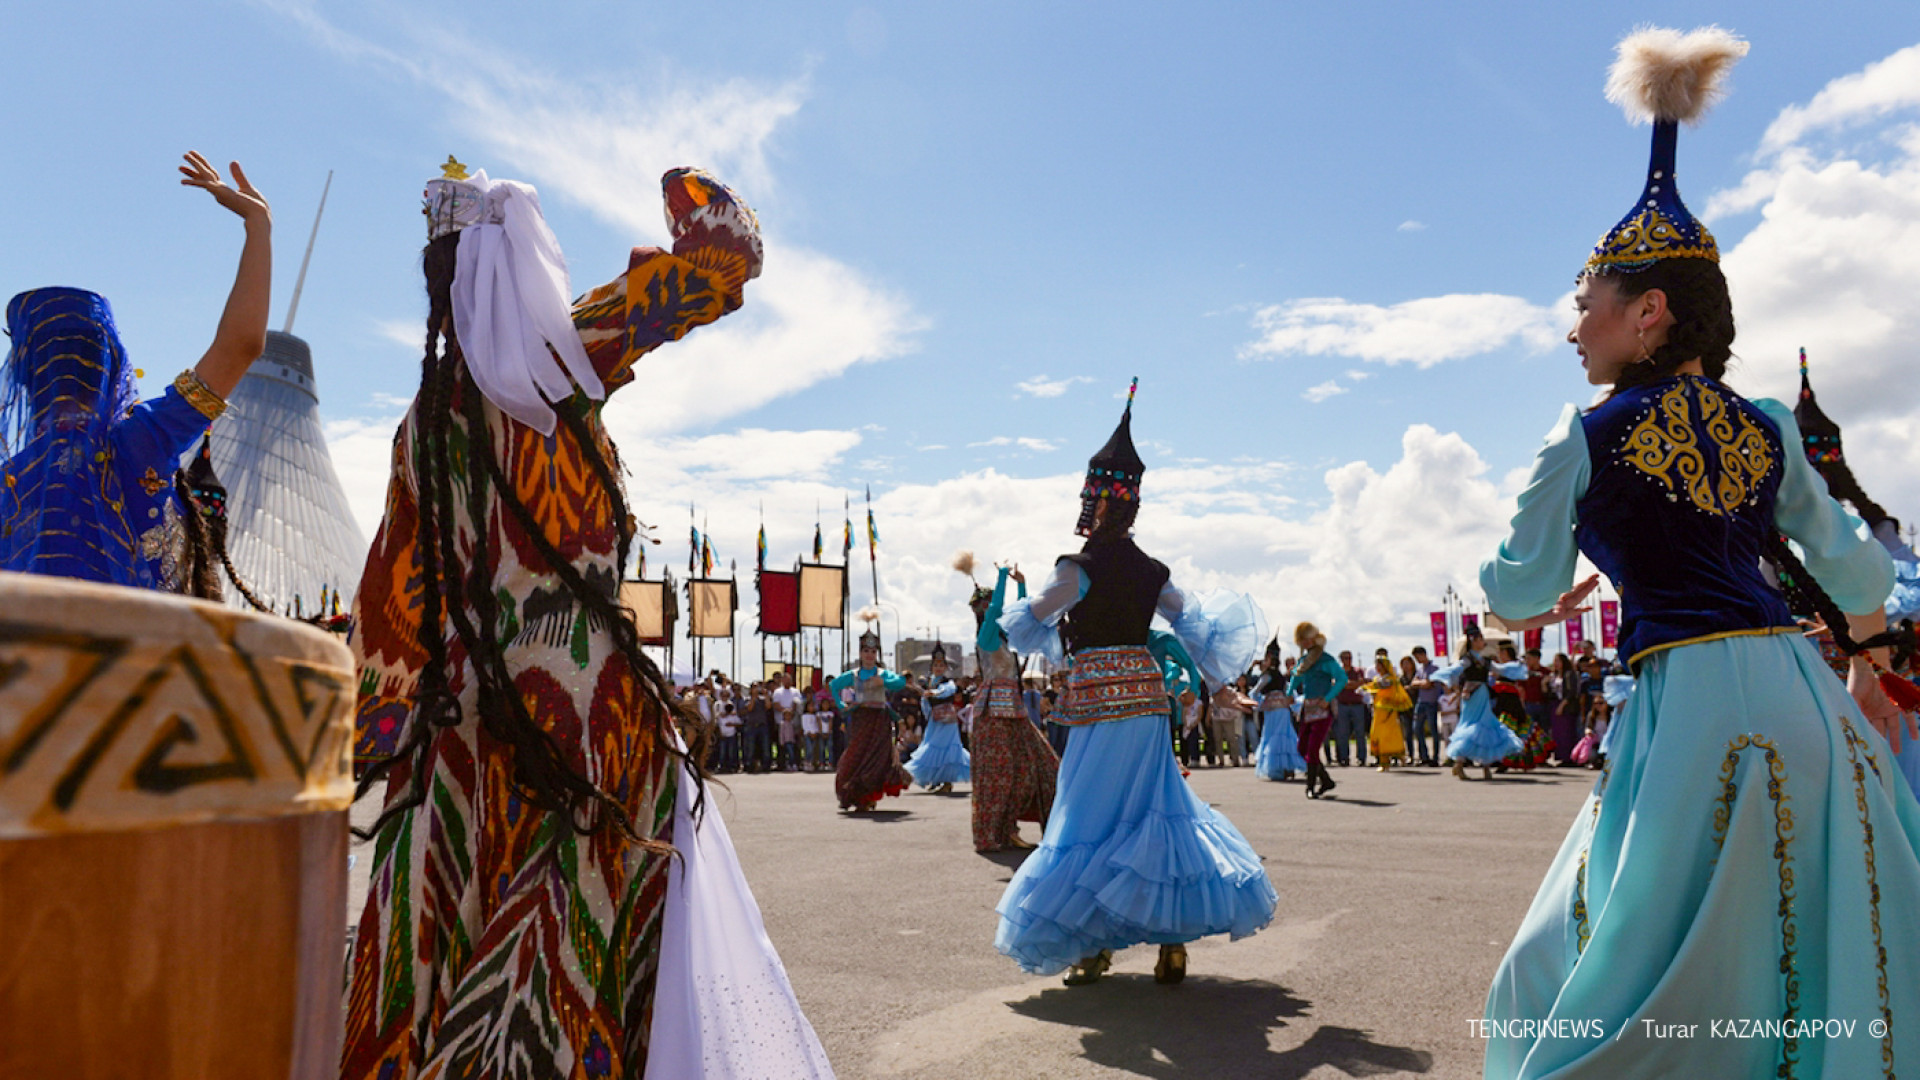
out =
column 195, row 390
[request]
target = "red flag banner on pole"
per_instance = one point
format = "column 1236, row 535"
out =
column 1438, row 620
column 1533, row 638
column 1609, row 624
column 1576, row 632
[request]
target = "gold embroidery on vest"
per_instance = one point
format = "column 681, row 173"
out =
column 1663, row 446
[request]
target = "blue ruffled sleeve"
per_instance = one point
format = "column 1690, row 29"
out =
column 1839, row 552
column 1450, row 675
column 1029, row 624
column 1223, row 631
column 1616, row 688
column 1535, row 563
column 1517, row 671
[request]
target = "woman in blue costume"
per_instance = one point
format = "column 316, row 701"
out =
column 1318, row 679
column 869, row 768
column 1131, row 855
column 940, row 761
column 1480, row 737
column 90, row 489
column 1279, row 755
column 1747, row 867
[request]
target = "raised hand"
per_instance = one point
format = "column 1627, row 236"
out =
column 241, row 198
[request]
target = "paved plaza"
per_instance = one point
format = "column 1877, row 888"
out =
column 1397, row 897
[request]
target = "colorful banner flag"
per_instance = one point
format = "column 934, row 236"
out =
column 761, row 549
column 706, row 556
column 1609, row 624
column 1469, row 623
column 643, row 560
column 846, row 538
column 817, row 549
column 1438, row 620
column 693, row 550
column 873, row 531
column 1576, row 632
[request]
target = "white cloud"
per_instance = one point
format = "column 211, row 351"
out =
column 1323, row 391
column 362, row 451
column 1356, row 375
column 1422, row 332
column 1411, row 225
column 1042, row 387
column 1834, row 264
column 1024, row 442
column 598, row 142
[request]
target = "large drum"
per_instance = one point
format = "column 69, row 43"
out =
column 173, row 836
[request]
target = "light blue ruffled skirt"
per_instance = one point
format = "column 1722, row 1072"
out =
column 940, row 759
column 1279, row 746
column 1909, row 759
column 1750, row 853
column 1131, row 856
column 1480, row 737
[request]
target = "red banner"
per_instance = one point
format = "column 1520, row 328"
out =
column 1469, row 623
column 779, row 602
column 1533, row 638
column 1438, row 620
column 1609, row 624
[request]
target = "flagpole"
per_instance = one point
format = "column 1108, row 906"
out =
column 873, row 564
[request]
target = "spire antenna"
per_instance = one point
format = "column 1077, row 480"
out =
column 293, row 306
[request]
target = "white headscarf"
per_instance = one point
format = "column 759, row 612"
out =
column 512, row 301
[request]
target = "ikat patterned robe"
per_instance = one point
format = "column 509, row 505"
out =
column 495, row 941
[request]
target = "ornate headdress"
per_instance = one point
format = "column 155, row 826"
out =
column 1114, row 473
column 1820, row 437
column 963, row 563
column 512, row 300
column 1665, row 77
column 939, row 652
column 869, row 638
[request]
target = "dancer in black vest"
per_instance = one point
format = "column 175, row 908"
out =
column 1130, row 855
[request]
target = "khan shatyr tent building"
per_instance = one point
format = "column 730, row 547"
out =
column 289, row 529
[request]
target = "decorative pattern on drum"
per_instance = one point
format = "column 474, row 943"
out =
column 121, row 708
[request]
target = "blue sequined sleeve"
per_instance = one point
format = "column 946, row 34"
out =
column 1535, row 563
column 1223, row 631
column 1839, row 552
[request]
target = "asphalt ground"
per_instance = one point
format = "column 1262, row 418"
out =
column 1398, row 895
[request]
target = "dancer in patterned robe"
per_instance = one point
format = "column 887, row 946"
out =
column 1014, row 768
column 524, row 865
column 870, row 767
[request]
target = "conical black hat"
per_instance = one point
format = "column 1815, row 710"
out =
column 1117, row 461
column 1819, row 435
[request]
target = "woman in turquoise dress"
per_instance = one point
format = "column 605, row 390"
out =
column 869, row 768
column 1737, row 896
column 1130, row 854
column 940, row 761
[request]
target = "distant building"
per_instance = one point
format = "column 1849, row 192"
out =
column 289, row 529
column 915, row 655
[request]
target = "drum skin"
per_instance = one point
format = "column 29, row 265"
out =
column 174, row 783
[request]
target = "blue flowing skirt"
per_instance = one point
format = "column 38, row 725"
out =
column 1909, row 759
column 1749, row 853
column 1279, row 746
column 940, row 759
column 1480, row 737
column 1131, row 855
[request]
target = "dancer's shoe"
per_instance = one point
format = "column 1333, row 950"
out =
column 1089, row 970
column 1172, row 966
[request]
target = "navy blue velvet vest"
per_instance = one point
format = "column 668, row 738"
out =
column 1678, row 509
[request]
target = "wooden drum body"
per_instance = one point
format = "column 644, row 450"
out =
column 174, row 784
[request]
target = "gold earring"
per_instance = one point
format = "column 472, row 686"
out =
column 1645, row 356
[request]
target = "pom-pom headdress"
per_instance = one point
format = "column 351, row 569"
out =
column 1114, row 473
column 1666, row 77
column 963, row 563
column 869, row 638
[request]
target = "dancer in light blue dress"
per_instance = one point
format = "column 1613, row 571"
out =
column 1279, row 755
column 1737, row 896
column 1479, row 738
column 1130, row 855
column 940, row 761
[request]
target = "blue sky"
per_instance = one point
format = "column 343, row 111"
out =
column 983, row 218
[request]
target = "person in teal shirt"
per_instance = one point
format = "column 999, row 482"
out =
column 869, row 768
column 1318, row 678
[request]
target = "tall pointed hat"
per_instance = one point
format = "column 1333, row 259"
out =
column 1665, row 77
column 1820, row 438
column 1114, row 472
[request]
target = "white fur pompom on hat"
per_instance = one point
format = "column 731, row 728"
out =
column 963, row 562
column 1663, row 74
column 868, row 614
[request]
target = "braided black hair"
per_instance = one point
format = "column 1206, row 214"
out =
column 1808, row 600
column 542, row 773
column 1703, row 327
